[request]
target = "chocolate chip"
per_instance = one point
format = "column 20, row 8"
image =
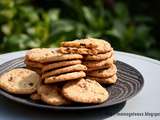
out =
column 82, row 44
column 52, row 52
column 10, row 79
column 30, row 84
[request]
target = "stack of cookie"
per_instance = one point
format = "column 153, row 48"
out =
column 98, row 56
column 55, row 66
column 80, row 66
column 101, row 67
column 70, row 68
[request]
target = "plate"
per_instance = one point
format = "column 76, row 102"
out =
column 129, row 83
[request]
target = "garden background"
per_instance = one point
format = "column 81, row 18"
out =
column 131, row 26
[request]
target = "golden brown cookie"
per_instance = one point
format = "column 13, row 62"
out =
column 39, row 54
column 98, row 68
column 74, row 50
column 83, row 43
column 99, row 57
column 103, row 73
column 98, row 45
column 65, row 77
column 51, row 94
column 63, row 57
column 85, row 91
column 37, row 70
column 60, row 64
column 44, row 55
column 69, row 69
column 109, row 80
column 20, row 81
column 94, row 64
column 34, row 64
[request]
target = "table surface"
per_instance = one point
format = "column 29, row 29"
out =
column 146, row 101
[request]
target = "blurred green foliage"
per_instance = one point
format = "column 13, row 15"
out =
column 24, row 26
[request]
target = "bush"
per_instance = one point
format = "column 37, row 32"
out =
column 24, row 25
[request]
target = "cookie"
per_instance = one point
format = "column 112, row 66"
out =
column 35, row 96
column 63, row 57
column 74, row 50
column 99, row 45
column 89, row 69
column 60, row 64
column 69, row 69
column 34, row 64
column 51, row 94
column 83, row 43
column 65, row 77
column 109, row 80
column 85, row 91
column 39, row 54
column 49, row 55
column 20, row 81
column 94, row 64
column 99, row 57
column 104, row 72
column 37, row 70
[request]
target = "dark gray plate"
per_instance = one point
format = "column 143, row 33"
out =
column 129, row 83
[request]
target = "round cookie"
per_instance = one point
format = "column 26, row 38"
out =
column 44, row 55
column 60, row 64
column 20, row 81
column 98, row 45
column 73, row 68
column 33, row 64
column 109, row 80
column 83, row 43
column 65, row 77
column 103, row 73
column 89, row 69
column 52, row 95
column 62, row 57
column 85, row 91
column 74, row 50
column 94, row 64
column 99, row 57
column 39, row 54
column 37, row 70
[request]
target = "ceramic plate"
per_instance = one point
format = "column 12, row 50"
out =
column 129, row 83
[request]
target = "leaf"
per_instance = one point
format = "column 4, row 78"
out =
column 122, row 12
column 8, row 13
column 6, row 29
column 89, row 16
column 117, row 30
column 20, row 41
column 53, row 15
column 114, row 32
column 142, row 19
column 62, row 26
column 142, row 37
column 29, row 13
